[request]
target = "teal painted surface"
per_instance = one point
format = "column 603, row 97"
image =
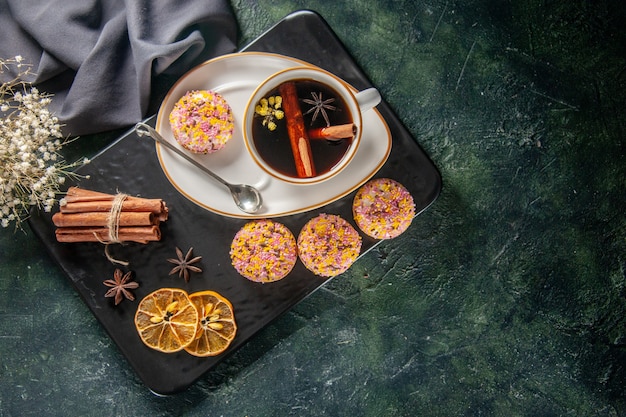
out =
column 507, row 297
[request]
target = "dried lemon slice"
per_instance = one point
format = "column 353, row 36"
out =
column 167, row 320
column 216, row 324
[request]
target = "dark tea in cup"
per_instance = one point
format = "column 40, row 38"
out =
column 303, row 124
column 321, row 107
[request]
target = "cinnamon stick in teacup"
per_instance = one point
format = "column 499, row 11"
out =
column 333, row 132
column 298, row 137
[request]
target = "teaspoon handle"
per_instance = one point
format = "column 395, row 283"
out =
column 143, row 129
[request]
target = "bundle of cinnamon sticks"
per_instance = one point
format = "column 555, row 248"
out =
column 86, row 216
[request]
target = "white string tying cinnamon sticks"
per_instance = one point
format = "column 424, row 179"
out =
column 113, row 227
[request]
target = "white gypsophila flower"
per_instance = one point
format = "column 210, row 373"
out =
column 31, row 169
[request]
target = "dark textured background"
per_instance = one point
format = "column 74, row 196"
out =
column 506, row 297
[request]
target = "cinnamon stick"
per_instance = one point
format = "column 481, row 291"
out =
column 333, row 132
column 298, row 137
column 80, row 200
column 130, row 204
column 82, row 194
column 102, row 219
column 139, row 234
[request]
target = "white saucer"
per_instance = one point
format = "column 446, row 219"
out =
column 235, row 77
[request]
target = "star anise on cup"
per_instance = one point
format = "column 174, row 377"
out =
column 184, row 264
column 121, row 284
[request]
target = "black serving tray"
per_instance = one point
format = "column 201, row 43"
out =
column 130, row 165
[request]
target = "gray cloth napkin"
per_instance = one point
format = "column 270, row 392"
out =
column 105, row 61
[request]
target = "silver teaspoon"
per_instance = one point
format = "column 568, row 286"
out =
column 246, row 197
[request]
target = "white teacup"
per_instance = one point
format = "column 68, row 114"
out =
column 312, row 131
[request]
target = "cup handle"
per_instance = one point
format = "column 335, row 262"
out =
column 368, row 99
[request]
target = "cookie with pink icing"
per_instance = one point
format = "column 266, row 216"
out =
column 328, row 245
column 383, row 208
column 202, row 121
column 263, row 251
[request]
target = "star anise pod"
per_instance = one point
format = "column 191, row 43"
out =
column 319, row 106
column 184, row 264
column 120, row 286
